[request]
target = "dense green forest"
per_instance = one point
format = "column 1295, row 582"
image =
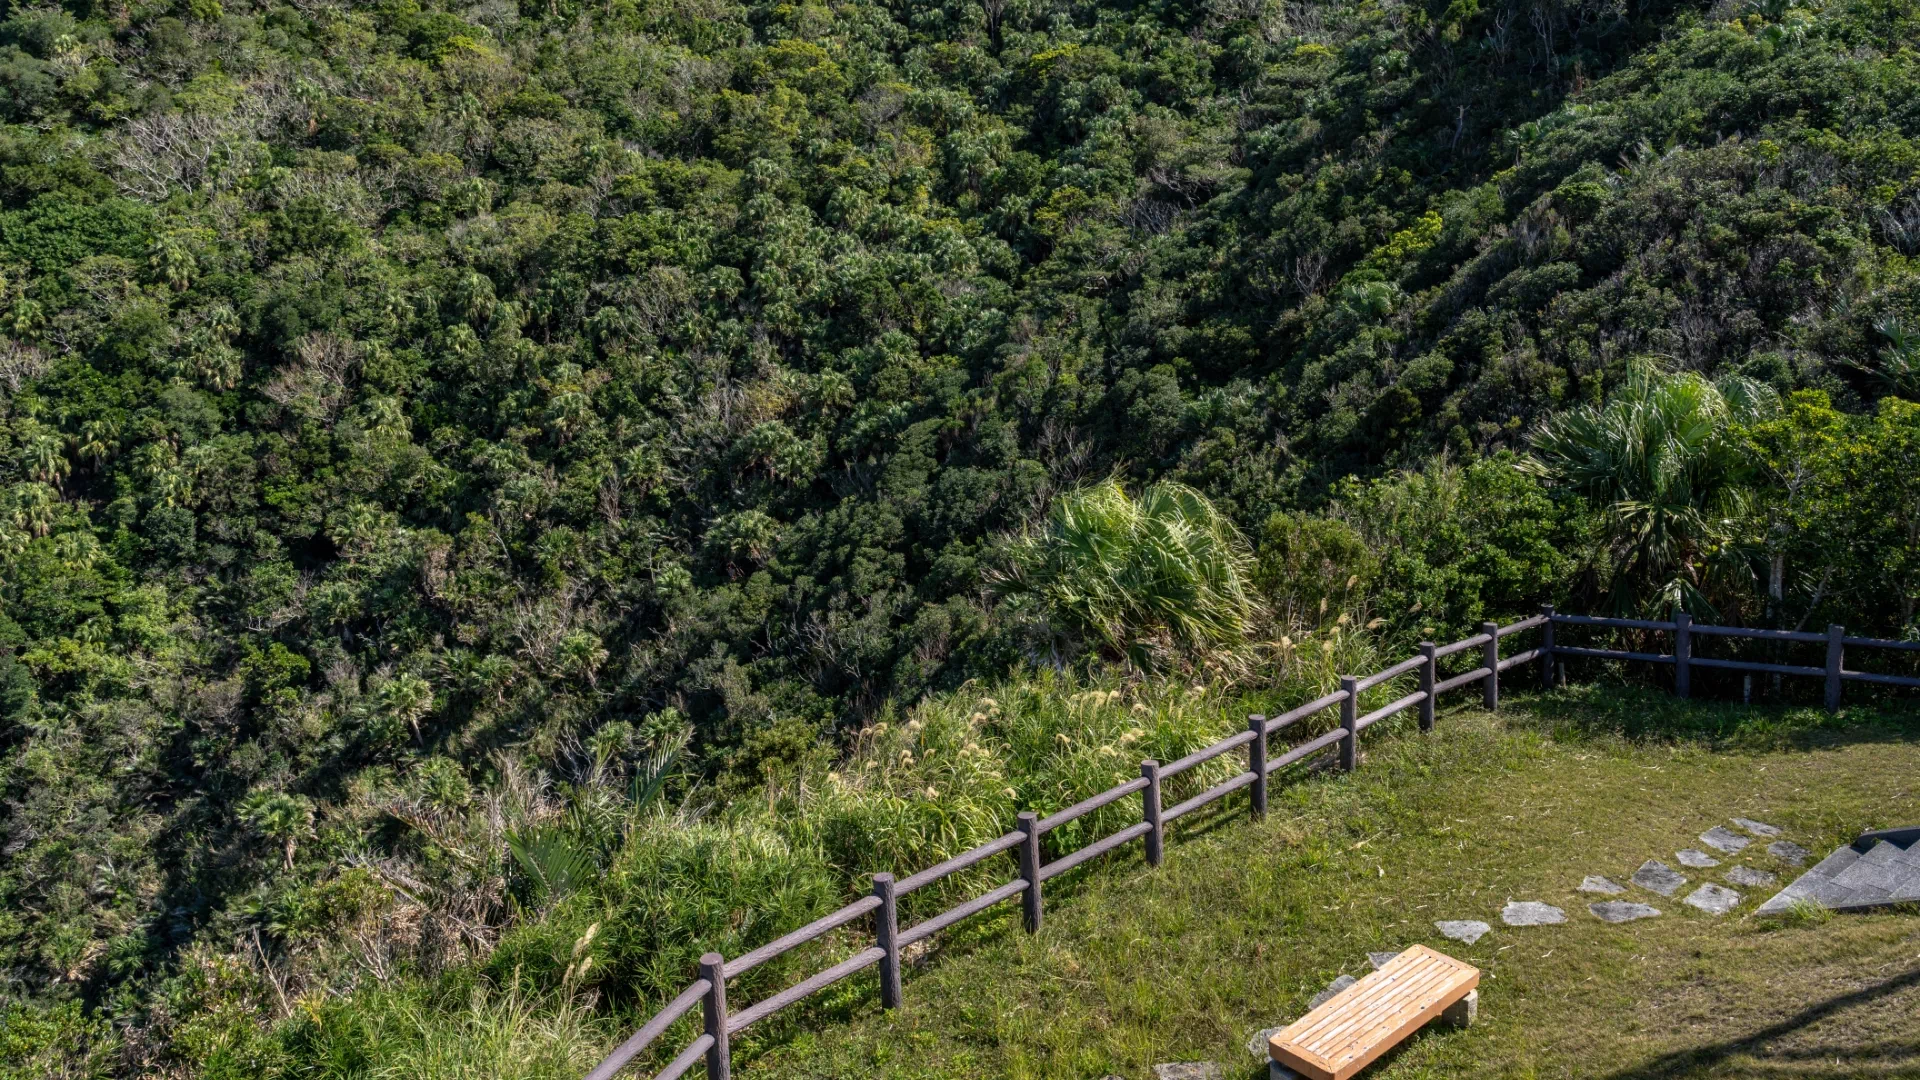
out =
column 495, row 497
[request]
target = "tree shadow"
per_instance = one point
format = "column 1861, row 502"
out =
column 1602, row 710
column 1854, row 1061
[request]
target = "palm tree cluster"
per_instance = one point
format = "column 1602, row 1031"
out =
column 1663, row 462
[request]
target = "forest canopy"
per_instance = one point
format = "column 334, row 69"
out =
column 437, row 439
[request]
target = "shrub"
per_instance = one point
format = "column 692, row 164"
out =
column 1137, row 575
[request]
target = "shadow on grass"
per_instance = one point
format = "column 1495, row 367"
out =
column 1890, row 1059
column 1643, row 714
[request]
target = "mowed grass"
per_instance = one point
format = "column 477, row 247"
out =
column 1245, row 921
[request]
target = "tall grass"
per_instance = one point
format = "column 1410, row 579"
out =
column 1138, row 576
column 915, row 787
column 485, row 1033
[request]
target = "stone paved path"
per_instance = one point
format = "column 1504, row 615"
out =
column 1867, row 867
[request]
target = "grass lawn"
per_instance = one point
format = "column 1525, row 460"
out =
column 1245, row 922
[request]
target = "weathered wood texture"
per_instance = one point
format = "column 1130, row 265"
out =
column 1346, row 1033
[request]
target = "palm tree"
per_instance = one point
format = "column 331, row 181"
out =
column 1662, row 462
column 278, row 816
column 1136, row 572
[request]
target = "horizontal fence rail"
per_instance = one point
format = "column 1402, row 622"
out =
column 1682, row 659
column 1025, row 841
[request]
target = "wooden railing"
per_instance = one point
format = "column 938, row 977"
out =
column 1684, row 630
column 1032, row 870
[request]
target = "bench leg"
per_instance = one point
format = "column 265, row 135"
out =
column 1277, row 1071
column 1462, row 1013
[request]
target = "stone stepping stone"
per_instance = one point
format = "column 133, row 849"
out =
column 1699, row 860
column 1189, row 1070
column 1467, row 930
column 1619, row 911
column 1603, row 886
column 1788, row 851
column 1713, row 899
column 1379, row 959
column 1656, row 876
column 1721, row 838
column 1757, row 828
column 1749, row 877
column 1531, row 913
column 1319, row 999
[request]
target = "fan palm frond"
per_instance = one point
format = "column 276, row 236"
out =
column 1660, row 459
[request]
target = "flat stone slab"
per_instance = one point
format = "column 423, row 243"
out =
column 1605, row 887
column 1531, row 913
column 1757, row 828
column 1713, row 899
column 1721, row 838
column 1379, row 959
column 1257, row 1042
column 1788, row 851
column 1189, row 1070
column 1699, row 860
column 1851, row 879
column 1467, row 930
column 1656, row 876
column 1619, row 911
column 1750, row 878
column 1338, row 984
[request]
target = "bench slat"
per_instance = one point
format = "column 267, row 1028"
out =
column 1365, row 1022
column 1356, row 1021
column 1346, row 1033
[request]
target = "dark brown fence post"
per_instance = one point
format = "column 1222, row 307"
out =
column 1546, row 647
column 1490, row 657
column 1257, row 764
column 1349, row 711
column 1030, row 869
column 1835, row 652
column 886, row 936
column 1682, row 654
column 1427, row 680
column 1150, row 811
column 714, row 1017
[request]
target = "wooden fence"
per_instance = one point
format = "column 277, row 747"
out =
column 709, row 991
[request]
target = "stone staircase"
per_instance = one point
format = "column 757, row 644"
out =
column 1878, row 869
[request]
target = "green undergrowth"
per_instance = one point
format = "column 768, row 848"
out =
column 631, row 894
column 1245, row 922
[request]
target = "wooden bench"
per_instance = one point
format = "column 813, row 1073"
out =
column 1347, row 1032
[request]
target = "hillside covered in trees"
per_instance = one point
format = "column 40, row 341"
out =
column 436, row 437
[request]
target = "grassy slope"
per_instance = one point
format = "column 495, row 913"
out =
column 1244, row 923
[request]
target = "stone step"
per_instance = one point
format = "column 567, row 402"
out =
column 1878, row 869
